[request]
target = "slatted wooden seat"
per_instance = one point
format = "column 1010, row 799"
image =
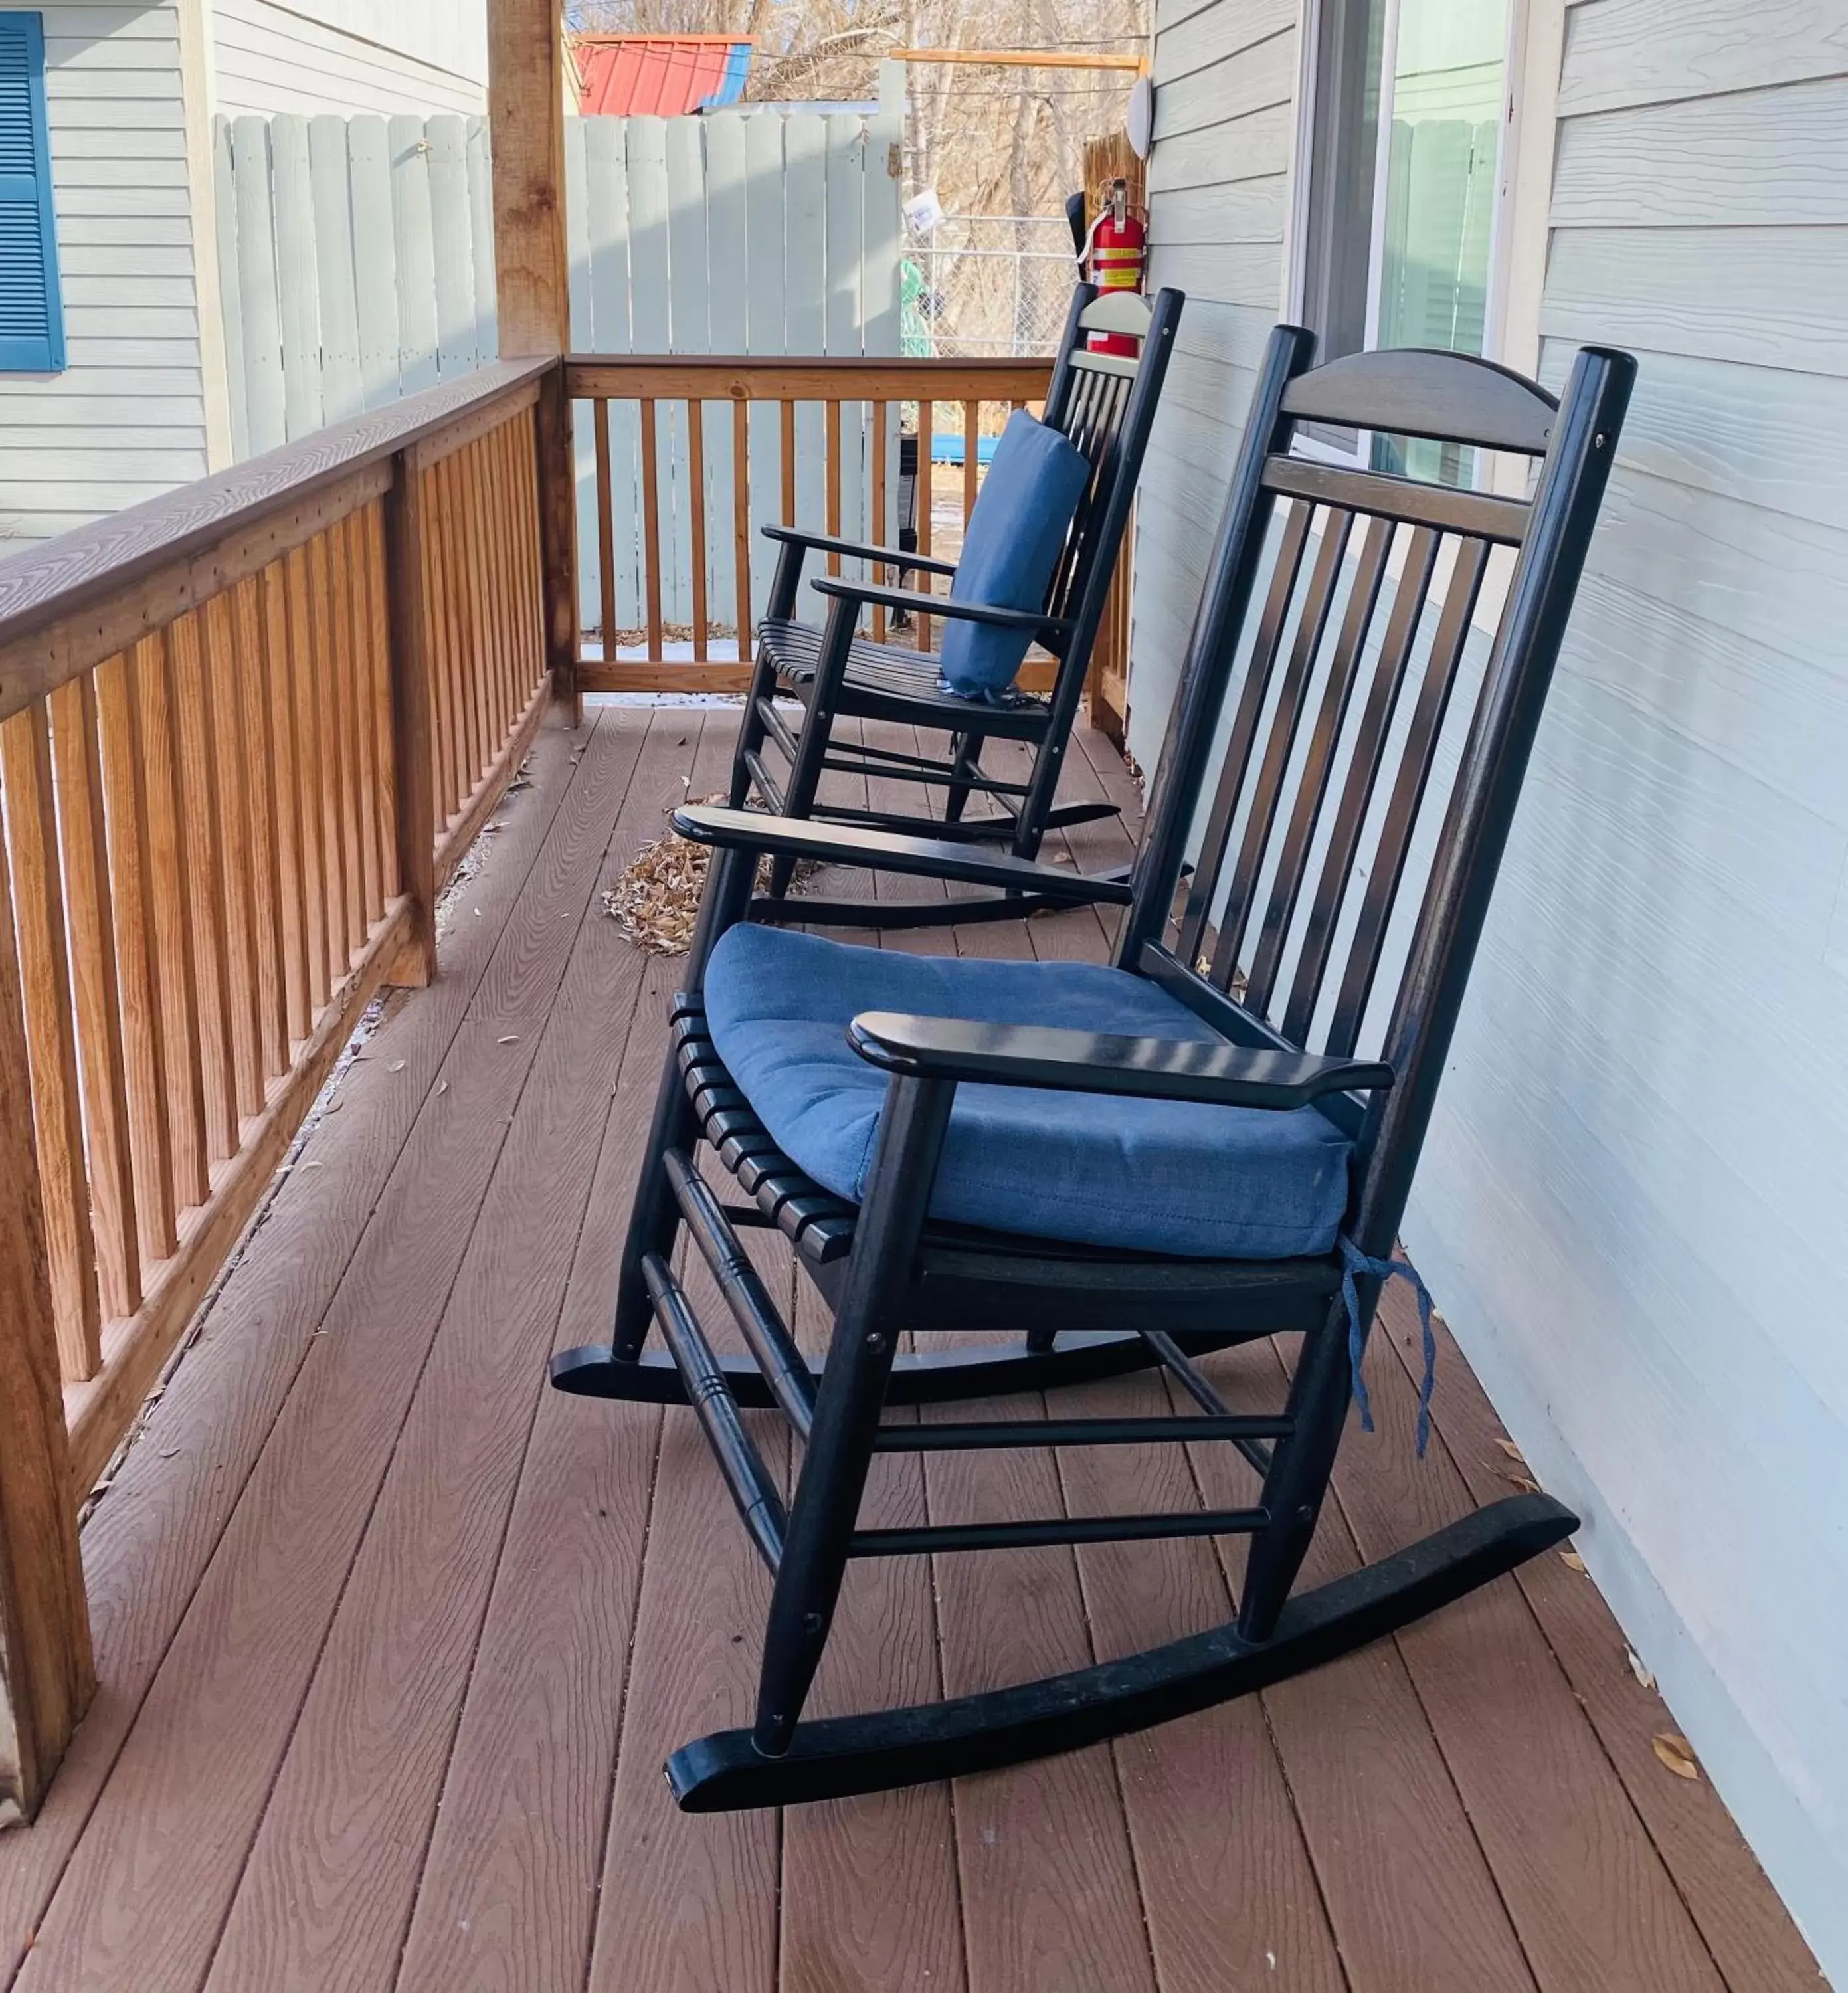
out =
column 1314, row 967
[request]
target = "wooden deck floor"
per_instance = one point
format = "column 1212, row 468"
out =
column 393, row 1640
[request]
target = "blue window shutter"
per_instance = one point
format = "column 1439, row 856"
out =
column 32, row 311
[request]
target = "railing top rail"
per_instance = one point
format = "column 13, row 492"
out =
column 810, row 377
column 164, row 547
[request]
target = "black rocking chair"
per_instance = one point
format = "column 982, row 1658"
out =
column 1105, row 403
column 1130, row 1166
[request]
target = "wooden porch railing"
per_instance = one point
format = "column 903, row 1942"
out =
column 968, row 392
column 245, row 731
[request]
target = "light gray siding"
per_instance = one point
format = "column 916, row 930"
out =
column 1633, row 1198
column 126, row 419
column 1225, row 75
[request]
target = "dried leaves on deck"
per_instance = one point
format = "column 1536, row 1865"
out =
column 656, row 897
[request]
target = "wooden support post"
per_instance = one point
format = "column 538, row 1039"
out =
column 46, row 1674
column 526, row 126
column 412, row 747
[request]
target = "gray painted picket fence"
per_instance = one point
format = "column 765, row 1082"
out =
column 356, row 259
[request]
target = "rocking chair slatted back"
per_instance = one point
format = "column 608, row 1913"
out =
column 1310, row 872
column 1093, row 399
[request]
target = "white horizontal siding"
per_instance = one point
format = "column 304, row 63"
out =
column 390, row 57
column 125, row 420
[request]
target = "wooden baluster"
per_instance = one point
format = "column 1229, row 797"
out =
column 407, row 600
column 46, row 1675
column 831, row 513
column 365, row 674
column 606, row 530
column 326, row 688
column 437, row 647
column 741, row 525
column 697, row 549
column 488, row 495
column 651, row 530
column 168, row 866
column 192, row 687
column 788, row 465
column 286, row 792
column 344, row 707
column 144, row 1050
column 88, row 922
column 971, row 456
column 878, row 535
column 253, row 686
column 50, row 1037
column 384, row 765
column 927, row 420
column 531, row 636
column 306, row 730
column 502, row 515
column 229, row 751
column 457, row 483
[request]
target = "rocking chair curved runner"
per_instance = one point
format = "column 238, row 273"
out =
column 1130, row 1166
column 1104, row 404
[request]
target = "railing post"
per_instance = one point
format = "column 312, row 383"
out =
column 46, row 1673
column 408, row 606
column 557, row 536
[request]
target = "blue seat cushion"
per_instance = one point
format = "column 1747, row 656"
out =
column 1009, row 550
column 1171, row 1177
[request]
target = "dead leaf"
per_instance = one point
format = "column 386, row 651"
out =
column 1509, row 1448
column 443, row 1087
column 1642, row 1674
column 1525, row 1482
column 1676, row 1753
column 512, row 1038
column 397, row 1065
column 1572, row 1561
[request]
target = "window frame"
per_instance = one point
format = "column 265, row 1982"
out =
column 1513, row 166
column 54, row 359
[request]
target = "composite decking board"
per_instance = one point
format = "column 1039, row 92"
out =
column 509, row 1883
column 1753, row 1941
column 149, row 1542
column 397, row 1659
column 1164, row 1874
column 1407, row 1888
column 1587, row 1892
column 147, row 1891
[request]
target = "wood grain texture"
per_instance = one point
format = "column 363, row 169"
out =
column 46, row 1675
column 324, row 692
column 256, row 681
column 172, row 921
column 68, row 603
column 38, row 899
column 148, row 1550
column 284, row 1561
column 230, row 754
column 144, row 1052
column 89, row 932
column 409, row 672
column 526, row 126
column 306, row 730
column 1748, row 1932
column 397, row 1658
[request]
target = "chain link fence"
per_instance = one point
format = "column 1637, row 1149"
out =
column 980, row 287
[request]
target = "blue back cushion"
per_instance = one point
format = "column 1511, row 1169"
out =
column 1010, row 550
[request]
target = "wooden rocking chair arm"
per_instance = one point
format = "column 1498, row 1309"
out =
column 921, row 603
column 888, row 851
column 829, row 543
column 1220, row 1075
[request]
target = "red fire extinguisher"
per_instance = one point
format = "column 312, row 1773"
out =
column 1116, row 250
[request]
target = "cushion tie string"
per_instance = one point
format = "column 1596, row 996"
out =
column 1354, row 1262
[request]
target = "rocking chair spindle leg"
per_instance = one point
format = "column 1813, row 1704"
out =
column 656, row 1217
column 1299, row 1470
column 818, row 728
column 965, row 762
column 751, row 729
column 847, row 1410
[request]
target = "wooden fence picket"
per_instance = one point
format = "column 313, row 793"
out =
column 447, row 164
column 293, row 199
column 374, row 256
column 342, row 388
column 411, row 225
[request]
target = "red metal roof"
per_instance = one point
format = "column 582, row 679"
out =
column 661, row 76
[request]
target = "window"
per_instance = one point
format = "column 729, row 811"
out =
column 1407, row 100
column 32, row 313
